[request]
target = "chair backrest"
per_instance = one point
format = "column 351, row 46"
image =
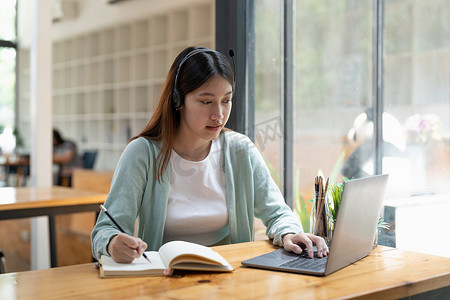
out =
column 2, row 263
column 89, row 159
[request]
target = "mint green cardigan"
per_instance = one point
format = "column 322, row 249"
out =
column 136, row 194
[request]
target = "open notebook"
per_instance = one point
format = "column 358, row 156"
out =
column 172, row 255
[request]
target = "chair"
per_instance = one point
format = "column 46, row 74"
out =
column 2, row 263
column 89, row 159
column 20, row 166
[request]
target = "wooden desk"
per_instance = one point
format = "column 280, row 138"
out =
column 26, row 202
column 387, row 273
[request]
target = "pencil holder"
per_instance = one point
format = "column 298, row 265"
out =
column 317, row 220
column 329, row 222
column 321, row 220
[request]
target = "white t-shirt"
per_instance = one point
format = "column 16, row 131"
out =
column 197, row 209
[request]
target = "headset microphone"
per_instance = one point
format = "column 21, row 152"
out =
column 231, row 53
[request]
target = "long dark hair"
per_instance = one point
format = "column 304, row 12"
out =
column 57, row 137
column 194, row 72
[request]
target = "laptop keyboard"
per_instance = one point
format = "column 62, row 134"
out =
column 304, row 262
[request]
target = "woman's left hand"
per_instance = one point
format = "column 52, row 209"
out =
column 291, row 243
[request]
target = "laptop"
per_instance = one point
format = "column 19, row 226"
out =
column 353, row 236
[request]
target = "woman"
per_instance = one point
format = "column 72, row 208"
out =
column 65, row 155
column 186, row 177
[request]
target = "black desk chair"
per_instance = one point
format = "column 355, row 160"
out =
column 2, row 263
column 89, row 159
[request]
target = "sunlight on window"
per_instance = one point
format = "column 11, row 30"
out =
column 7, row 141
column 7, row 86
column 8, row 18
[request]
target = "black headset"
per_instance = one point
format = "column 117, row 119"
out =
column 177, row 95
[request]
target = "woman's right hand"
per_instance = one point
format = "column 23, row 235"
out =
column 124, row 248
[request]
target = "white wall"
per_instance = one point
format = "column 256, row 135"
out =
column 95, row 14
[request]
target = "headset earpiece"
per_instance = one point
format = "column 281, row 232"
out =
column 177, row 95
column 177, row 98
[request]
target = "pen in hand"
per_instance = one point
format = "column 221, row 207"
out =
column 118, row 226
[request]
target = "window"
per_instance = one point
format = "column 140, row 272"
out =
column 335, row 98
column 417, row 80
column 7, row 65
column 268, row 83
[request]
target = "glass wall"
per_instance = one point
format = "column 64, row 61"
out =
column 333, row 81
column 268, row 87
column 334, row 102
column 417, row 96
column 417, row 79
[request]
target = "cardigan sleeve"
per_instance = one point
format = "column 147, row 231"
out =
column 270, row 205
column 255, row 191
column 125, row 196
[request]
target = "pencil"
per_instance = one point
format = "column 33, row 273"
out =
column 319, row 208
column 316, row 204
column 118, row 226
column 325, row 211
